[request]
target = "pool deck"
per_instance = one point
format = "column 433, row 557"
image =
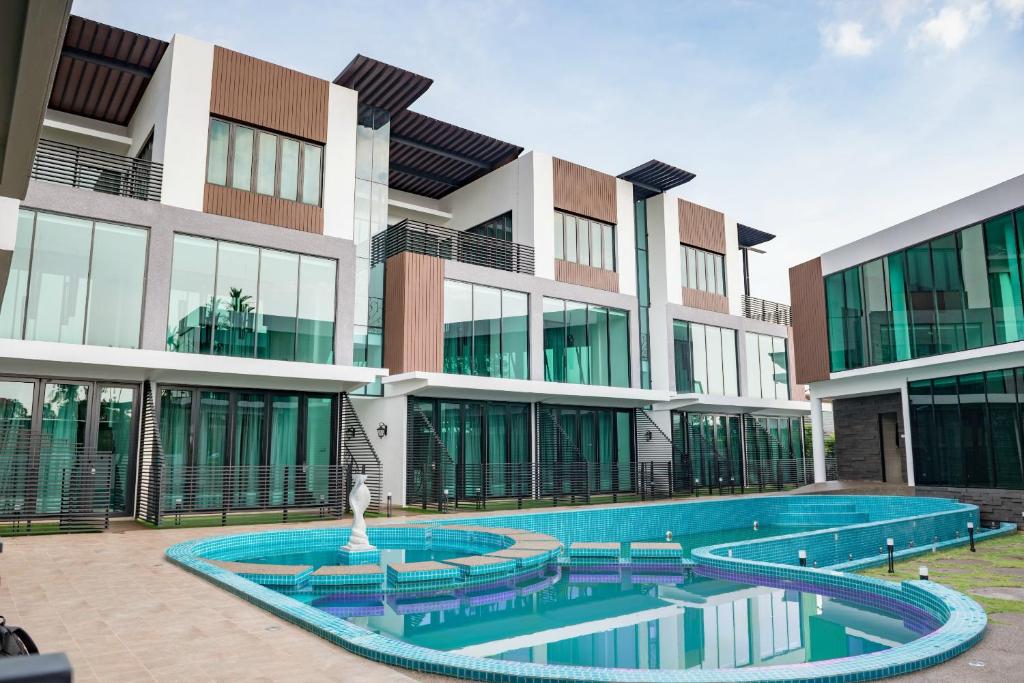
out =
column 122, row 612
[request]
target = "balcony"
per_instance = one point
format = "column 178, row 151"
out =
column 767, row 311
column 59, row 162
column 453, row 245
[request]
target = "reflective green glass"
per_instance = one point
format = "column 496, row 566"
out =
column 597, row 345
column 237, row 285
column 514, row 335
column 896, row 265
column 698, row 340
column 835, row 305
column 114, row 436
column 190, row 311
column 949, row 295
column 318, row 446
column 926, row 470
column 618, row 347
column 458, row 327
column 877, row 312
column 284, row 427
column 65, row 418
column 978, row 325
column 57, row 287
column 683, row 355
column 210, row 451
column 217, row 155
column 948, row 431
column 486, row 331
column 577, row 365
column 278, row 305
column 250, row 419
column 115, row 286
column 1004, row 279
column 1003, row 428
column 317, row 278
column 854, row 319
column 974, row 431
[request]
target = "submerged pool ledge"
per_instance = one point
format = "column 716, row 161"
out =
column 912, row 522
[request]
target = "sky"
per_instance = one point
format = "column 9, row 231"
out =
column 819, row 122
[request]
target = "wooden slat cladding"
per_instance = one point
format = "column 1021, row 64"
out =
column 587, row 276
column 707, row 301
column 252, row 91
column 810, row 327
column 259, row 208
column 583, row 191
column 701, row 227
column 414, row 315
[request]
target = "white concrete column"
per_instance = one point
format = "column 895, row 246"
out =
column 818, row 440
column 908, row 446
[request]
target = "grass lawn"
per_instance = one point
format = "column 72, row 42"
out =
column 998, row 563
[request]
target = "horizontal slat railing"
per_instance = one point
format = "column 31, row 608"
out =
column 768, row 311
column 54, row 482
column 453, row 245
column 60, row 162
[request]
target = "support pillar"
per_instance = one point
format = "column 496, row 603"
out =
column 818, row 440
column 908, row 446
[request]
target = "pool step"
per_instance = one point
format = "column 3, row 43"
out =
column 819, row 518
column 583, row 551
column 655, row 552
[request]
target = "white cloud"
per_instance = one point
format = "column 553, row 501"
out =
column 951, row 27
column 895, row 11
column 847, row 39
column 1015, row 10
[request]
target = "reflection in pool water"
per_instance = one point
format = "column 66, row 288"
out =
column 607, row 618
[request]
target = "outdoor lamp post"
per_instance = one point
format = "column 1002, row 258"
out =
column 802, row 555
column 922, row 572
column 970, row 532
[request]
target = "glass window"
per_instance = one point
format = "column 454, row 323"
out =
column 691, row 268
column 190, row 311
column 514, row 334
column 713, row 339
column 237, row 286
column 702, row 270
column 486, row 331
column 730, row 369
column 559, row 237
column 876, row 311
column 780, row 368
column 618, row 347
column 597, row 338
column 266, row 168
column 311, row 160
column 683, row 357
column 12, row 313
column 702, row 283
column 115, row 286
column 585, row 344
column 577, row 366
column 978, row 325
column 949, row 311
column 217, row 156
column 57, row 282
column 596, row 240
column 317, row 277
column 609, row 247
column 835, row 298
column 896, row 265
column 278, row 305
column 583, row 226
column 554, row 340
column 289, row 185
column 458, row 327
column 705, row 359
column 16, row 401
column 241, row 160
column 1004, row 280
column 570, row 238
column 698, row 337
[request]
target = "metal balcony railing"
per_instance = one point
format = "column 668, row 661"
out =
column 452, row 245
column 768, row 311
column 59, row 162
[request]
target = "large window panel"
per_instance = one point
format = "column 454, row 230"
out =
column 278, row 305
column 978, row 325
column 115, row 286
column 597, row 338
column 835, row 304
column 618, row 347
column 584, row 241
column 238, row 268
column 311, row 162
column 266, row 169
column 698, row 337
column 317, row 294
column 577, row 366
column 241, row 161
column 289, row 182
column 458, row 327
column 949, row 298
column 515, row 334
column 57, row 283
column 193, row 269
column 1004, row 426
column 554, row 340
column 585, row 344
column 12, row 312
column 1004, row 279
column 217, row 154
column 485, row 331
column 877, row 311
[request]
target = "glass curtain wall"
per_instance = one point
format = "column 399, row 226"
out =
column 485, row 331
column 959, row 291
column 603, row 438
column 767, row 366
column 967, row 430
column 705, row 359
column 278, row 443
column 370, row 219
column 488, row 441
column 238, row 300
column 585, row 344
column 75, row 280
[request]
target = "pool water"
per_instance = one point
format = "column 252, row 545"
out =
column 706, row 538
column 585, row 618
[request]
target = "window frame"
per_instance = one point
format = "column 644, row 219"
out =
column 714, row 275
column 502, row 374
column 254, row 164
column 558, row 227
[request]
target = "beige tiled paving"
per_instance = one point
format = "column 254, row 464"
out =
column 123, row 613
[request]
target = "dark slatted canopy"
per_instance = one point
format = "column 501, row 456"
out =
column 432, row 158
column 382, row 85
column 751, row 237
column 103, row 70
column 655, row 177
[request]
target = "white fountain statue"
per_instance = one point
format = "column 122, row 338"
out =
column 358, row 500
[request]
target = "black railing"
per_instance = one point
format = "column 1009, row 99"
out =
column 771, row 463
column 768, row 311
column 430, row 469
column 452, row 245
column 657, row 448
column 169, row 490
column 59, row 162
column 52, row 485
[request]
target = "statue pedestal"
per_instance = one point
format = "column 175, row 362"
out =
column 361, row 556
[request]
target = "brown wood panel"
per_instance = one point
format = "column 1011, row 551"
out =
column 707, row 301
column 267, row 95
column 414, row 314
column 259, row 208
column 810, row 330
column 584, row 191
column 701, row 227
column 587, row 276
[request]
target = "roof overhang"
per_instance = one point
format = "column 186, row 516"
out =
column 30, row 41
column 53, row 359
column 751, row 237
column 703, row 403
column 104, row 71
column 441, row 385
column 382, row 85
column 654, row 177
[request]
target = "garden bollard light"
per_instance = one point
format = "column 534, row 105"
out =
column 970, row 532
column 803, row 558
column 922, row 572
column 890, row 547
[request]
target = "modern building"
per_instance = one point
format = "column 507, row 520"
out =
column 916, row 336
column 223, row 268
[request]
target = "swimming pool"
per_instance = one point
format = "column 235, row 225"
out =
column 740, row 601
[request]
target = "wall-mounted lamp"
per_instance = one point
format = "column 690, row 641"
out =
column 648, row 435
column 382, row 430
column 351, row 431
